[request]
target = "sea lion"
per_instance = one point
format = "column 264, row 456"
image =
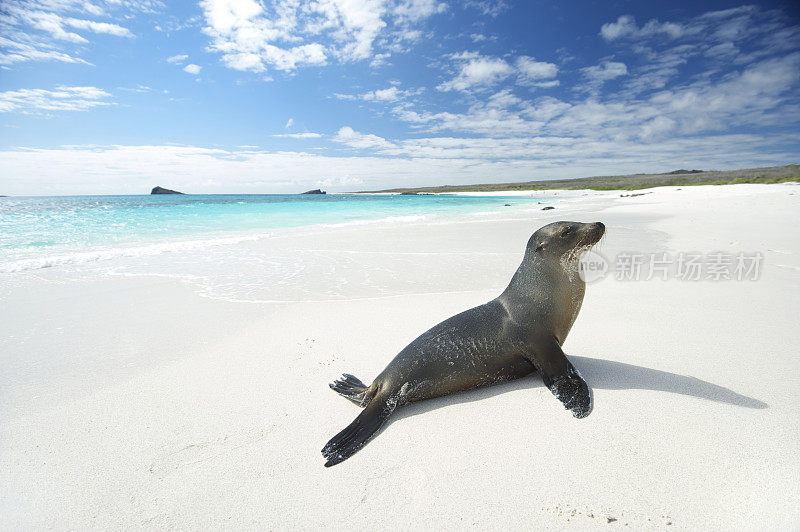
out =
column 515, row 334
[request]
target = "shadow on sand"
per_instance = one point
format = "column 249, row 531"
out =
column 603, row 375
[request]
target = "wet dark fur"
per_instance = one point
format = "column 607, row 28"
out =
column 515, row 334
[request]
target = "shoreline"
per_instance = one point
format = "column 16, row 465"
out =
column 100, row 246
column 136, row 401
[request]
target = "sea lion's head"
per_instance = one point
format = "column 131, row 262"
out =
column 565, row 241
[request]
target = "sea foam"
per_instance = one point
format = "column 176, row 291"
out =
column 62, row 259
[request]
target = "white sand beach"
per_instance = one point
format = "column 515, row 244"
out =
column 138, row 401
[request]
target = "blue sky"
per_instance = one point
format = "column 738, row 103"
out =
column 280, row 96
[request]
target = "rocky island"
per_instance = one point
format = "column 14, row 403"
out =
column 161, row 190
column 315, row 191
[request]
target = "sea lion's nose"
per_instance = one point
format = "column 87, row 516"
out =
column 600, row 227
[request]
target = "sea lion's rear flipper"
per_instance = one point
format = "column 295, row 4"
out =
column 351, row 388
column 357, row 434
column 561, row 377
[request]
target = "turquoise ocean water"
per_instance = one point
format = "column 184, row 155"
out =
column 41, row 232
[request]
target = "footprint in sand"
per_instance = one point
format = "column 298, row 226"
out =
column 195, row 453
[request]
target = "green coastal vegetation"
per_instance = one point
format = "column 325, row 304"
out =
column 769, row 174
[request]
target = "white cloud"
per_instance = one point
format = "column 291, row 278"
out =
column 535, row 70
column 20, row 52
column 251, row 62
column 389, row 94
column 54, row 24
column 625, row 27
column 660, row 67
column 574, row 157
column 491, row 8
column 379, row 60
column 177, row 59
column 354, row 139
column 144, row 6
column 477, row 72
column 745, row 24
column 503, row 115
column 299, row 135
column 416, row 10
column 724, row 51
column 725, row 13
column 760, row 95
column 99, row 27
column 340, row 181
column 246, row 34
column 480, row 72
column 191, row 68
column 40, row 30
column 289, row 123
column 51, row 23
column 286, row 34
column 536, row 73
column 355, row 24
column 60, row 99
column 138, row 88
column 718, row 41
column 605, row 71
column 755, row 96
column 544, row 84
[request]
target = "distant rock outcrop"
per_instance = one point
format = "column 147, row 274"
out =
column 682, row 171
column 315, row 191
column 548, row 208
column 160, row 190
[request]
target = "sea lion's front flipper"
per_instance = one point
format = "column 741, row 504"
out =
column 561, row 377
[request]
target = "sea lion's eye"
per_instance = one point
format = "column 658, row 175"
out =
column 567, row 231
